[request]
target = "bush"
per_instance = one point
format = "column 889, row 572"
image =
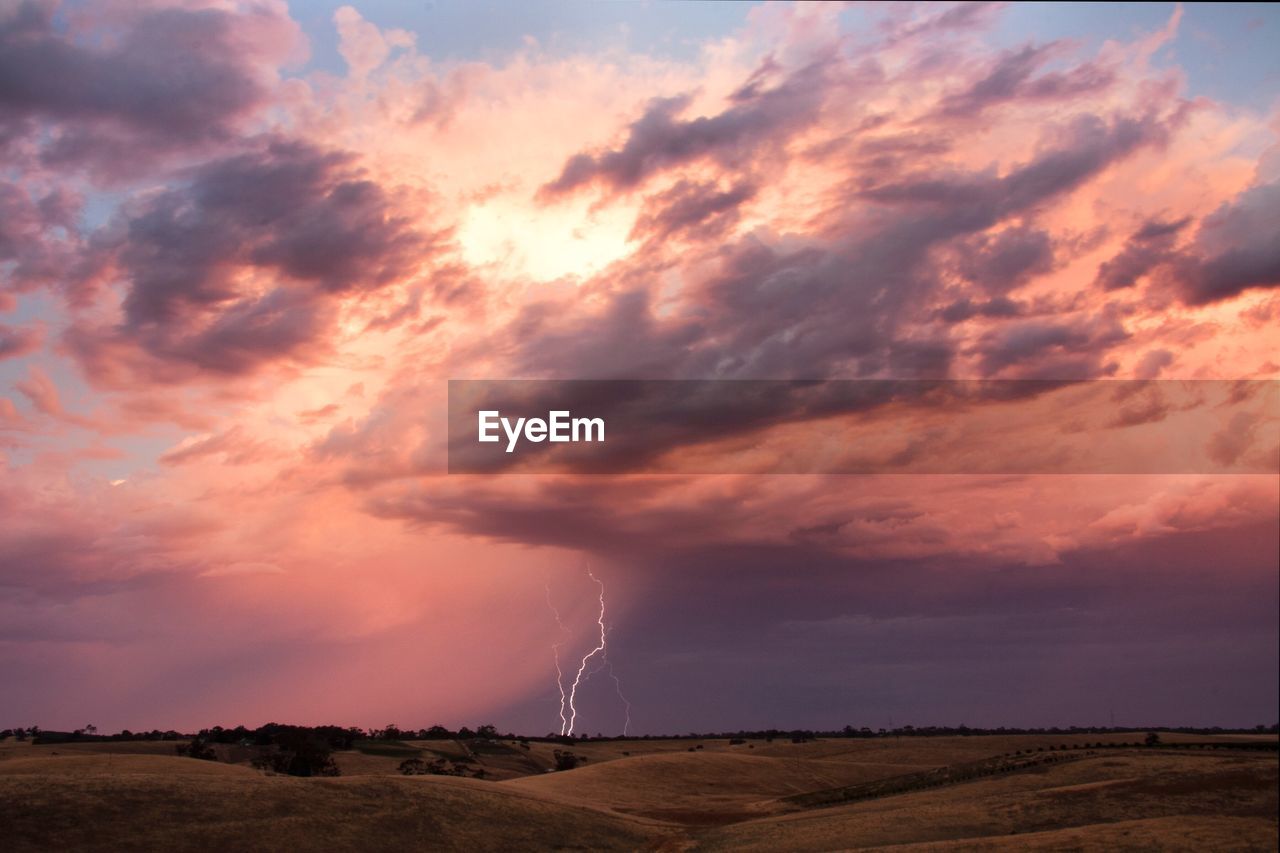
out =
column 413, row 767
column 566, row 760
column 439, row 767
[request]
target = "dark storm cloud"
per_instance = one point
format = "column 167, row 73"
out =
column 699, row 210
column 1149, row 247
column 660, row 139
column 623, row 338
column 1048, row 348
column 303, row 216
column 299, row 210
column 171, row 78
column 1008, row 260
column 836, row 307
column 1072, row 154
column 964, row 309
column 248, row 333
column 804, row 313
column 1158, row 229
column 1236, row 248
column 1137, row 630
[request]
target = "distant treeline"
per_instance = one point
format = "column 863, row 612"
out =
column 343, row 737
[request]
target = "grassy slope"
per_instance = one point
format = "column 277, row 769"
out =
column 1229, row 798
column 700, row 788
column 142, row 796
column 171, row 803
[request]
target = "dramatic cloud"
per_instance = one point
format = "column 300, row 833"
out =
column 1007, row 260
column 236, row 274
column 1013, row 78
column 1233, row 250
column 162, row 79
column 1236, row 248
column 759, row 118
column 1150, row 246
column 240, row 264
column 701, row 210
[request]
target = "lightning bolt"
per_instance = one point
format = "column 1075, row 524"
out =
column 568, row 698
column 582, row 667
column 626, row 703
column 555, row 648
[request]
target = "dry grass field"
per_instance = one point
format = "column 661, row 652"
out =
column 945, row 793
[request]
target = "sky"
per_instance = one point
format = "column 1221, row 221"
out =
column 245, row 245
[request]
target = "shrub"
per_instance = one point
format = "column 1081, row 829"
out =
column 566, row 760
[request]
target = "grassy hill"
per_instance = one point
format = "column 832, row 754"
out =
column 656, row 795
column 170, row 803
column 1128, row 801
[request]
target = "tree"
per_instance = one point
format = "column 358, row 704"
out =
column 197, row 748
column 1153, row 739
column 297, row 751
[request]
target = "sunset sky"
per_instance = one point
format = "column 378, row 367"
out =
column 245, row 245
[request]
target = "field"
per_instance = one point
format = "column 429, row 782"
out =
column 944, row 793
